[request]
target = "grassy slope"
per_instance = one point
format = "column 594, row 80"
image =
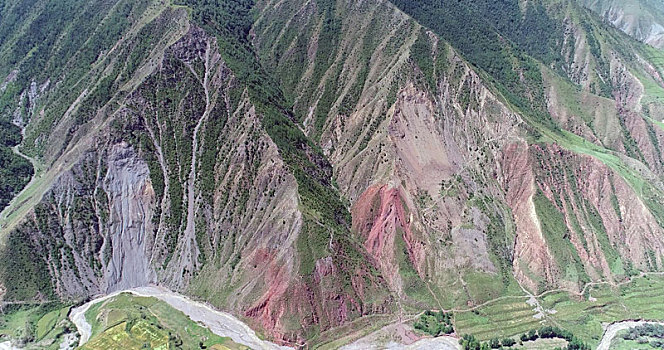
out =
column 45, row 323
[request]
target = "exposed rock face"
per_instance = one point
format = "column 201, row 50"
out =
column 131, row 206
column 439, row 190
column 638, row 18
column 532, row 255
column 93, row 228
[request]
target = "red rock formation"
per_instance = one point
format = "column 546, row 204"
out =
column 379, row 216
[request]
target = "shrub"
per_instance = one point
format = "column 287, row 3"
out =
column 507, row 342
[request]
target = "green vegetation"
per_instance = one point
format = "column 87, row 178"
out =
column 470, row 342
column 24, row 273
column 15, row 171
column 573, row 343
column 131, row 322
column 557, row 236
column 470, row 26
column 45, row 323
column 512, row 316
column 63, row 41
column 435, row 323
column 618, row 343
column 647, row 336
column 413, row 286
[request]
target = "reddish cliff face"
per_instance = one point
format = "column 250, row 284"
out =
column 603, row 226
column 380, row 218
column 400, row 179
column 532, row 256
column 608, row 222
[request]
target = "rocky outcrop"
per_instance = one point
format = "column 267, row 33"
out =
column 362, row 166
column 93, row 228
column 129, row 237
column 638, row 18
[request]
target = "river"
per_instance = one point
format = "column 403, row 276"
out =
column 227, row 325
column 220, row 323
column 613, row 329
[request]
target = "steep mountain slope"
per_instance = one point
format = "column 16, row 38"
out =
column 176, row 180
column 316, row 167
column 605, row 70
column 438, row 99
column 641, row 19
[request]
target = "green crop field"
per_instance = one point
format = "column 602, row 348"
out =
column 130, row 322
column 504, row 318
column 141, row 334
column 45, row 323
column 582, row 315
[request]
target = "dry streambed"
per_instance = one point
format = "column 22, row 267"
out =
column 220, row 323
column 226, row 325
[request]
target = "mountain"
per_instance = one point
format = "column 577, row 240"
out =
column 321, row 168
column 640, row 19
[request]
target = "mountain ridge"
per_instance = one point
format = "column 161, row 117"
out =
column 312, row 166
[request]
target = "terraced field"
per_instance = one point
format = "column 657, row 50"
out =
column 142, row 333
column 583, row 315
column 506, row 317
column 131, row 322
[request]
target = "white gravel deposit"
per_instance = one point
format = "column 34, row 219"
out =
column 220, row 323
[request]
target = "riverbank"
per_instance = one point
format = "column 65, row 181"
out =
column 220, row 323
column 612, row 330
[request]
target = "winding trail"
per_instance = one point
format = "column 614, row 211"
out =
column 220, row 323
column 609, row 333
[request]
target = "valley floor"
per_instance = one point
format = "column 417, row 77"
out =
column 220, row 323
column 596, row 315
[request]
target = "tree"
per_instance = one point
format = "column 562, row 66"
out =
column 468, row 342
column 507, row 342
